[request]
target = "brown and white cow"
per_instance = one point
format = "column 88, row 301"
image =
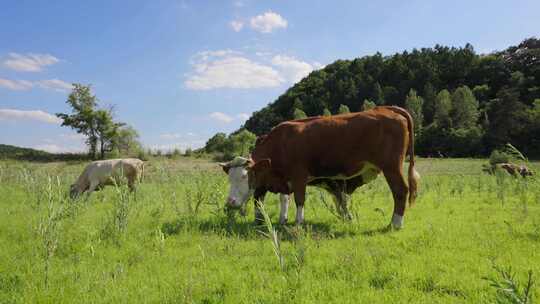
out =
column 100, row 173
column 340, row 153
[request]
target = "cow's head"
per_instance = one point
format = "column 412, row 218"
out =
column 245, row 176
column 524, row 171
column 74, row 191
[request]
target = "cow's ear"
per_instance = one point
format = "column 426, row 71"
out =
column 262, row 165
column 225, row 167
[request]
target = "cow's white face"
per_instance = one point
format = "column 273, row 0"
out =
column 239, row 191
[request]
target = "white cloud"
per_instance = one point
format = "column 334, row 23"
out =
column 74, row 136
column 229, row 69
column 29, row 62
column 55, row 148
column 182, row 146
column 169, row 136
column 221, row 117
column 242, row 116
column 55, row 84
column 36, row 115
column 48, row 84
column 17, row 85
column 293, row 69
column 267, row 22
column 236, row 25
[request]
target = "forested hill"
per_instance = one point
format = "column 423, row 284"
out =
column 464, row 103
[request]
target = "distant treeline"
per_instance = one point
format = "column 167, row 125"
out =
column 19, row 153
column 463, row 103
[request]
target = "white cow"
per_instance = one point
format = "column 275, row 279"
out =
column 100, row 173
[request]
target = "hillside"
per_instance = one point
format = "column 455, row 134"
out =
column 500, row 90
column 20, row 153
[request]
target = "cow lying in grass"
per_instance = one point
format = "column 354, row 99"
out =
column 509, row 168
column 100, row 173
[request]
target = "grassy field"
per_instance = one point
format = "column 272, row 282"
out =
column 172, row 243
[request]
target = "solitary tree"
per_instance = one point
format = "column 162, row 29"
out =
column 96, row 124
column 128, row 141
column 82, row 118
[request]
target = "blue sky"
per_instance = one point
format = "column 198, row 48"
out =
column 180, row 71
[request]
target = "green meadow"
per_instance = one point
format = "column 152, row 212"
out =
column 470, row 238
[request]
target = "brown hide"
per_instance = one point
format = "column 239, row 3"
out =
column 341, row 145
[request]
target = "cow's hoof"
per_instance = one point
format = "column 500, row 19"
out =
column 397, row 222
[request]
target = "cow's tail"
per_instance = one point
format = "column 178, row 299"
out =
column 414, row 177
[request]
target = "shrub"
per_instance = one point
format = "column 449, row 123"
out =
column 498, row 157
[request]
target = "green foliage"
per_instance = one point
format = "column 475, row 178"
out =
column 127, row 141
column 326, row 112
column 226, row 148
column 368, row 105
column 464, row 111
column 343, row 109
column 443, row 106
column 97, row 124
column 299, row 114
column 389, row 80
column 414, row 104
column 82, row 119
column 509, row 289
column 428, row 108
column 216, row 143
column 498, row 157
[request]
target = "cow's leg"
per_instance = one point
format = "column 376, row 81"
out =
column 342, row 200
column 259, row 198
column 400, row 190
column 93, row 186
column 283, row 213
column 299, row 189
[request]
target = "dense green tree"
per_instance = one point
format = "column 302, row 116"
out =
column 127, row 141
column 428, row 108
column 326, row 112
column 368, row 105
column 389, row 79
column 378, row 94
column 82, row 119
column 243, row 142
column 216, row 143
column 343, row 109
column 507, row 119
column 464, row 111
column 481, row 93
column 443, row 106
column 299, row 114
column 106, row 131
column 414, row 104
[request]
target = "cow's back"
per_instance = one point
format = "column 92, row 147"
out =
column 331, row 145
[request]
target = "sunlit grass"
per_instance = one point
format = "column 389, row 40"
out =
column 172, row 242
